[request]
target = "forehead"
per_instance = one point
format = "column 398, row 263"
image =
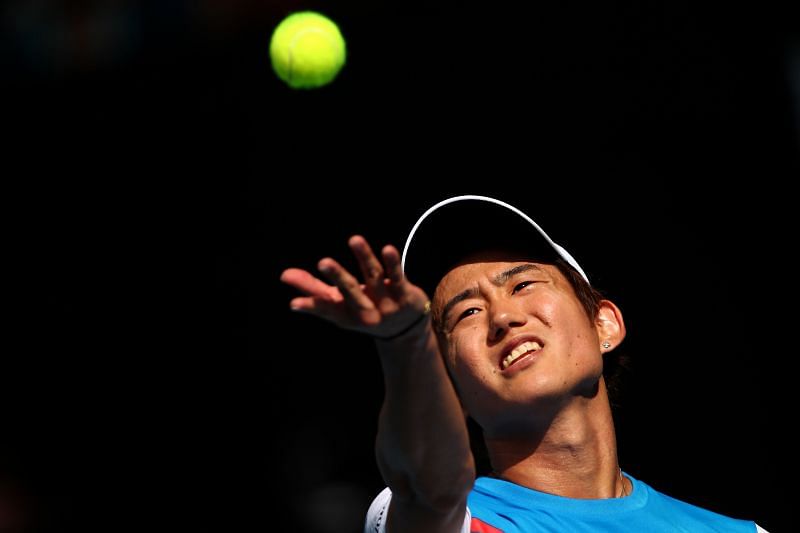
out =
column 491, row 267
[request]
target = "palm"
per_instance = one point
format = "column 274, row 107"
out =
column 382, row 305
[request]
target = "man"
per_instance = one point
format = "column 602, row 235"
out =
column 516, row 338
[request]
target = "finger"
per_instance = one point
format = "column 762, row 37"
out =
column 371, row 268
column 320, row 308
column 396, row 280
column 304, row 281
column 348, row 286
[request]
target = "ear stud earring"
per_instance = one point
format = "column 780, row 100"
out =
column 606, row 345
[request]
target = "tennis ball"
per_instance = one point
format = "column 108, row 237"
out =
column 307, row 50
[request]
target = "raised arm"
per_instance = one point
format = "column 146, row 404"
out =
column 422, row 446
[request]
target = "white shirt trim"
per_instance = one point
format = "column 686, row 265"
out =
column 378, row 510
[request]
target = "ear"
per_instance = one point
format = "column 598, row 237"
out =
column 610, row 326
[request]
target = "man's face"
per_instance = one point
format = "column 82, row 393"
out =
column 517, row 341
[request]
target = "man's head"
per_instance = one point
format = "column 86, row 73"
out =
column 519, row 324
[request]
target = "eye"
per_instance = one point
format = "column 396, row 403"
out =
column 519, row 286
column 469, row 312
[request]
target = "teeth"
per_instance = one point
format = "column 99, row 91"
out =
column 519, row 351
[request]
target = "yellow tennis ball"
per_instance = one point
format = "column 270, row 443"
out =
column 307, row 50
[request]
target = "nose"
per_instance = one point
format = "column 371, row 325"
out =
column 503, row 317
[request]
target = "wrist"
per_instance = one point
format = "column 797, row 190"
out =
column 416, row 324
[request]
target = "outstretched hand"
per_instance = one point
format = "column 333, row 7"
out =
column 383, row 306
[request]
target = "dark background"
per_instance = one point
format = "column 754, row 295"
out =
column 158, row 177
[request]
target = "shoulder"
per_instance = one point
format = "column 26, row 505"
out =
column 664, row 507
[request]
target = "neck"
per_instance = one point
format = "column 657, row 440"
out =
column 573, row 455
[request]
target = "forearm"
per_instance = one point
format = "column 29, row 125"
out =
column 422, row 446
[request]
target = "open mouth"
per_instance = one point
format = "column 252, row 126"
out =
column 519, row 352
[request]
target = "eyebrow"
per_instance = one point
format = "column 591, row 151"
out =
column 460, row 297
column 506, row 275
column 498, row 280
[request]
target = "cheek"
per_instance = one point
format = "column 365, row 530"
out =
column 584, row 352
column 579, row 338
column 546, row 308
column 469, row 359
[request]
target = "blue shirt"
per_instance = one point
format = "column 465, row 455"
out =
column 496, row 504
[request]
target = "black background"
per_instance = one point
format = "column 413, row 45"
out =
column 158, row 178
